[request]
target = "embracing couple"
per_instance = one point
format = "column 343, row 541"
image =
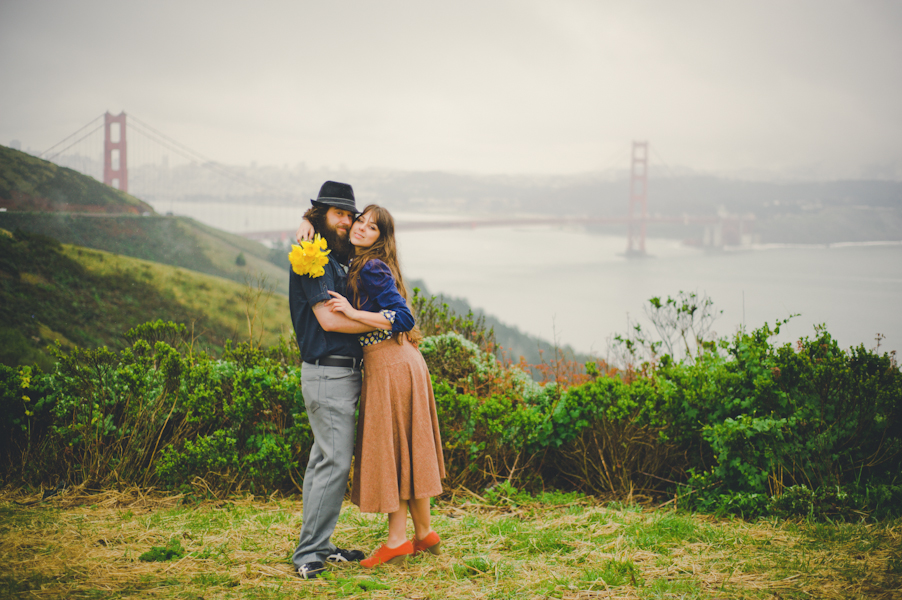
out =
column 358, row 339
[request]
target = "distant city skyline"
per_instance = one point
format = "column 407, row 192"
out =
column 763, row 90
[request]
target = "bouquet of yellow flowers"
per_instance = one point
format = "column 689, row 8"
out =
column 310, row 258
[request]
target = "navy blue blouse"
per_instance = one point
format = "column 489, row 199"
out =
column 377, row 291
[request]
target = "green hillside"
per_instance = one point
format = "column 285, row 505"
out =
column 177, row 241
column 51, row 291
column 29, row 183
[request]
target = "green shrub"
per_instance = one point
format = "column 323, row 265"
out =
column 608, row 436
column 745, row 427
column 760, row 419
column 434, row 319
column 153, row 414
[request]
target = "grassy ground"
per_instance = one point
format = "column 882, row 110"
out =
column 557, row 546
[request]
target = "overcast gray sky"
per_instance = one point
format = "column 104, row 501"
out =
column 779, row 88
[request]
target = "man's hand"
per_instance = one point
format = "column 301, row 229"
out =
column 305, row 231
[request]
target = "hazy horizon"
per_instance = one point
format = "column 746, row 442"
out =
column 767, row 90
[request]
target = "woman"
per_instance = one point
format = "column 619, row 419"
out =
column 398, row 462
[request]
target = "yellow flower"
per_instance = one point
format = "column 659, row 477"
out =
column 310, row 258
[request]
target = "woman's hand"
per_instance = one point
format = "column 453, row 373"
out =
column 305, row 231
column 339, row 303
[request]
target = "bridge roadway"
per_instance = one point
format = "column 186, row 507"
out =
column 274, row 235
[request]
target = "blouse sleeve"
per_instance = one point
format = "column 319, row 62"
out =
column 381, row 293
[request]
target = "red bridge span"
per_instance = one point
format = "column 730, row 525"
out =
column 721, row 230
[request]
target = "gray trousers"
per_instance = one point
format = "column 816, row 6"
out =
column 330, row 394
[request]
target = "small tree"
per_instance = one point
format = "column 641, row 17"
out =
column 683, row 323
column 683, row 327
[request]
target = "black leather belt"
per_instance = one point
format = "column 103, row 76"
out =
column 339, row 361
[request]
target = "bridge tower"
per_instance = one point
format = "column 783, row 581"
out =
column 120, row 173
column 635, row 244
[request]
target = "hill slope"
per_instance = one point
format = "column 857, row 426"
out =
column 177, row 241
column 50, row 291
column 29, row 183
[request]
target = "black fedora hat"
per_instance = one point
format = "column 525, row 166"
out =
column 339, row 195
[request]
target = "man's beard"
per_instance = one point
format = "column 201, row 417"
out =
column 340, row 246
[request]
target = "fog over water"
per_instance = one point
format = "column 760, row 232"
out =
column 578, row 287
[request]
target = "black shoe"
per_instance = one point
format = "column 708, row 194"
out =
column 311, row 570
column 342, row 556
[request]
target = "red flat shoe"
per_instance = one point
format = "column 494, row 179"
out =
column 388, row 555
column 431, row 542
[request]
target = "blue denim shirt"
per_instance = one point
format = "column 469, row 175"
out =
column 303, row 293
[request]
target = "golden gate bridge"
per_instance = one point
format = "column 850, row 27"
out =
column 152, row 181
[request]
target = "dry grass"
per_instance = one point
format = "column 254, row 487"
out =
column 82, row 545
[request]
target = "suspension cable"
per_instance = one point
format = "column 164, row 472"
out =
column 91, row 122
column 210, row 165
column 664, row 163
column 206, row 163
column 51, row 157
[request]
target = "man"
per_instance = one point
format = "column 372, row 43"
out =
column 330, row 381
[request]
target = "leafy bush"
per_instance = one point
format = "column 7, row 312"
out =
column 760, row 419
column 745, row 427
column 608, row 436
column 153, row 414
column 488, row 415
column 497, row 423
column 434, row 319
column 682, row 326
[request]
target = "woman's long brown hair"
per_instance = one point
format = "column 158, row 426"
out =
column 386, row 250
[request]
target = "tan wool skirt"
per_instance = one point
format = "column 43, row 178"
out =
column 398, row 452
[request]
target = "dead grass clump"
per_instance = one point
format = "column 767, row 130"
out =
column 79, row 495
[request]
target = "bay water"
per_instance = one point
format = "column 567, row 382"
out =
column 569, row 285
